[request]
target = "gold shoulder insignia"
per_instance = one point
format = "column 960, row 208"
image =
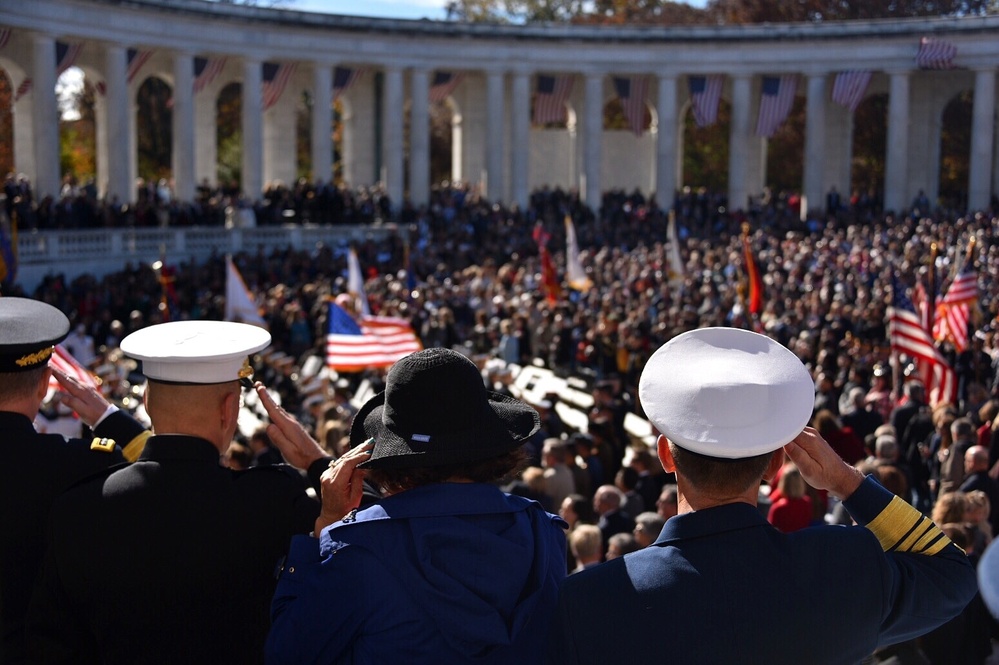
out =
column 103, row 445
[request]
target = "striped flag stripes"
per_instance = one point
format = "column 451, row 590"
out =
column 275, row 78
column 907, row 335
column 344, row 78
column 849, row 88
column 632, row 91
column 205, row 71
column 705, row 94
column 935, row 54
column 136, row 59
column 550, row 95
column 443, row 85
column 776, row 100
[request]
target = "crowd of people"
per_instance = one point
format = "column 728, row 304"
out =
column 468, row 275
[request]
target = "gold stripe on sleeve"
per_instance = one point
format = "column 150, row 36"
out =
column 894, row 522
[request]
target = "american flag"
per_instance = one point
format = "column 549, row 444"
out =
column 373, row 341
column 23, row 89
column 705, row 93
column 66, row 55
column 136, row 59
column 551, row 93
column 631, row 91
column 907, row 335
column 275, row 78
column 64, row 361
column 344, row 78
column 935, row 54
column 5, row 34
column 443, row 85
column 849, row 88
column 954, row 310
column 205, row 71
column 776, row 101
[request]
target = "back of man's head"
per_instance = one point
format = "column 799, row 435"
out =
column 962, row 428
column 607, row 499
column 886, row 448
column 586, row 543
column 915, row 390
column 720, row 476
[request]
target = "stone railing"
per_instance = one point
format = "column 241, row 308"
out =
column 103, row 251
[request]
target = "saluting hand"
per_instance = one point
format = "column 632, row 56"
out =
column 343, row 485
column 821, row 466
column 296, row 445
column 85, row 400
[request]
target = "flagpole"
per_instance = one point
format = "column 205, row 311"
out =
column 931, row 292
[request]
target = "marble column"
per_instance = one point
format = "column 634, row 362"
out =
column 897, row 159
column 520, row 116
column 739, row 137
column 666, row 161
column 419, row 137
column 593, row 129
column 815, row 142
column 47, row 178
column 322, row 122
column 253, row 129
column 119, row 134
column 982, row 128
column 495, row 185
column 183, row 126
column 393, row 144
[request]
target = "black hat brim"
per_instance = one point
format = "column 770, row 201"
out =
column 505, row 425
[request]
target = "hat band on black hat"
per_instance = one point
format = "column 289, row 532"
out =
column 25, row 362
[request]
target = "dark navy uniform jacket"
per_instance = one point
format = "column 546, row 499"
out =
column 36, row 468
column 723, row 586
column 171, row 559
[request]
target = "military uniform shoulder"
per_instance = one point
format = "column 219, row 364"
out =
column 271, row 473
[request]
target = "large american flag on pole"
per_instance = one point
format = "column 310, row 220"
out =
column 954, row 310
column 344, row 78
column 850, row 87
column 935, row 54
column 550, row 95
column 372, row 341
column 776, row 100
column 705, row 93
column 275, row 78
column 907, row 336
column 205, row 71
column 136, row 59
column 631, row 91
column 442, row 85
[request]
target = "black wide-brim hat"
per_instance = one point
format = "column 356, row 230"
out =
column 435, row 410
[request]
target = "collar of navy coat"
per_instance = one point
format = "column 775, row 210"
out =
column 436, row 500
column 179, row 448
column 719, row 519
column 15, row 424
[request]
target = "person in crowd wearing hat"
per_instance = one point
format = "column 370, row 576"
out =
column 172, row 558
column 726, row 402
column 447, row 568
column 37, row 467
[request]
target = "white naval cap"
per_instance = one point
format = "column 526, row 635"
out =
column 988, row 578
column 196, row 351
column 726, row 392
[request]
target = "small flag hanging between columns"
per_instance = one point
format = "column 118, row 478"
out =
column 705, row 94
column 205, row 71
column 275, row 78
column 631, row 91
column 344, row 78
column 776, row 100
column 551, row 93
column 935, row 54
column 443, row 85
column 850, row 87
column 136, row 59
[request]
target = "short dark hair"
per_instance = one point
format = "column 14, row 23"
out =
column 496, row 470
column 715, row 474
column 14, row 385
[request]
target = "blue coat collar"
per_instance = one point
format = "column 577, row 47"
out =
column 730, row 517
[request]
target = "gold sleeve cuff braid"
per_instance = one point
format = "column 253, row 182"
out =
column 902, row 528
column 136, row 446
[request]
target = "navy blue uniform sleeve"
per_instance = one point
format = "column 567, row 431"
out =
column 129, row 435
column 926, row 579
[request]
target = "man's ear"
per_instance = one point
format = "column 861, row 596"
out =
column 43, row 385
column 665, row 456
column 776, row 462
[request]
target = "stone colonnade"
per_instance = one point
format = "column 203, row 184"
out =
column 495, row 143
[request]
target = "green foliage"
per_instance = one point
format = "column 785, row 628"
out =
column 705, row 151
column 870, row 145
